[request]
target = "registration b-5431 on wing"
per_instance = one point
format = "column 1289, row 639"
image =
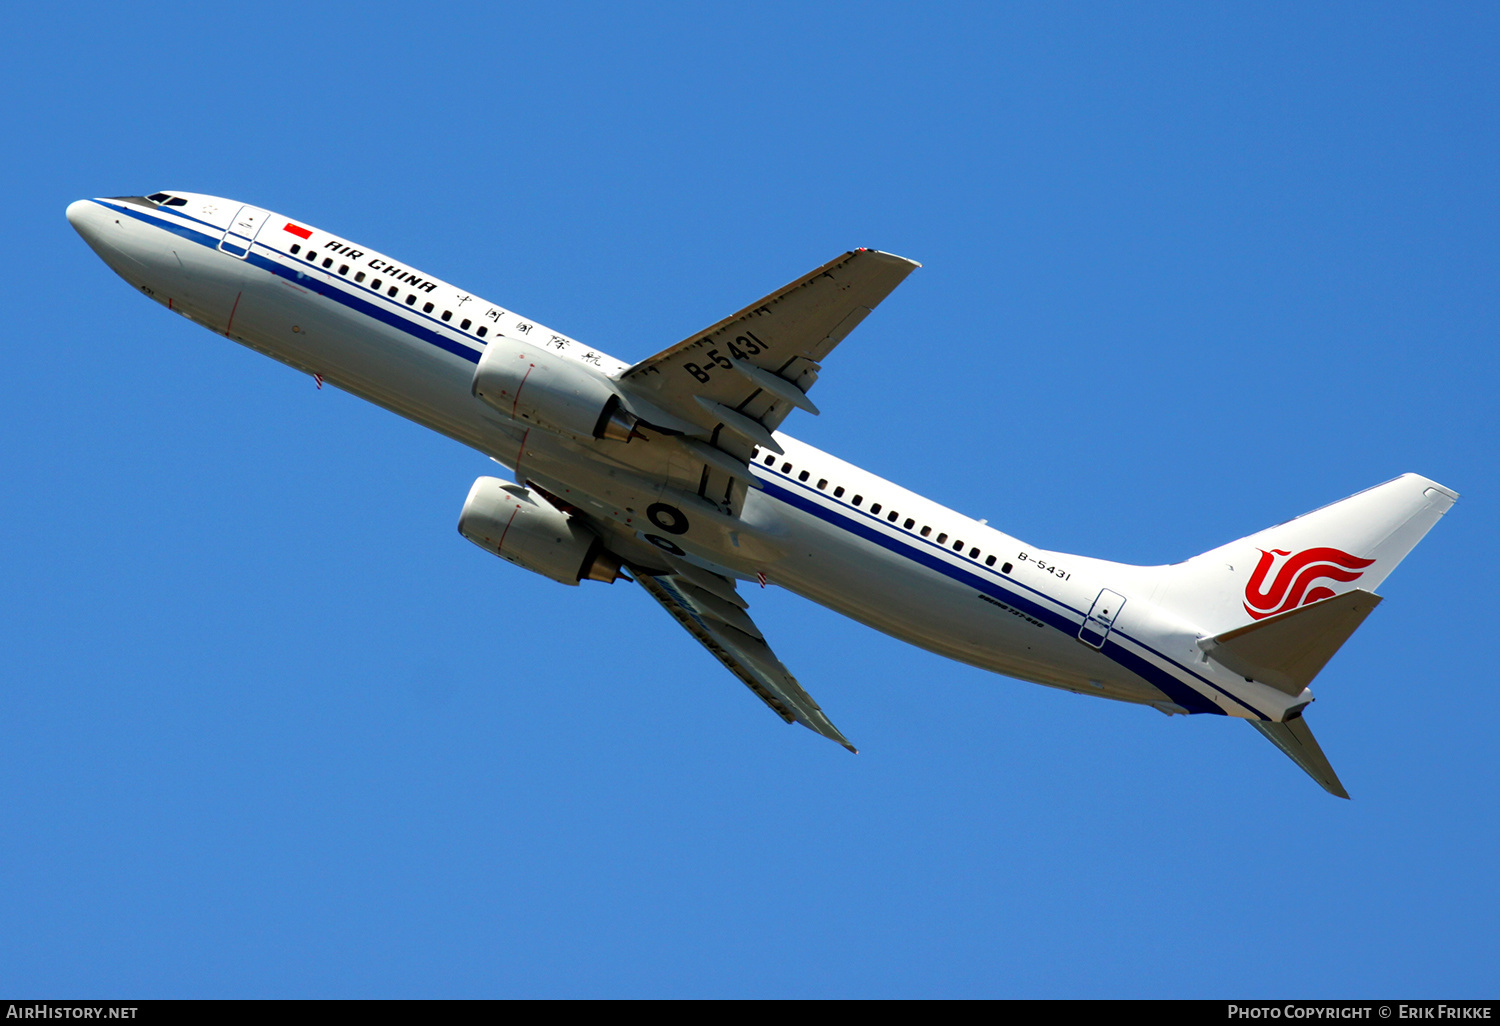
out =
column 673, row 472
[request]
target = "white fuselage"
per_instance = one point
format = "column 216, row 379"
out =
column 819, row 527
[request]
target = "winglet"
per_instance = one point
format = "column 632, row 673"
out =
column 1295, row 738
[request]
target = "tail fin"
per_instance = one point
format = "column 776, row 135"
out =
column 1275, row 607
column 1316, row 556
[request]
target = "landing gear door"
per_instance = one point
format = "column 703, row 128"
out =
column 242, row 231
column 1101, row 618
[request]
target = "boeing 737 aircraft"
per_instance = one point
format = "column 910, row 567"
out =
column 674, row 469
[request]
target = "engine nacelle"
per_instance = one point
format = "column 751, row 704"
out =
column 517, row 524
column 549, row 390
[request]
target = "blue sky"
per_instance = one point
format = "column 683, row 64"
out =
column 272, row 728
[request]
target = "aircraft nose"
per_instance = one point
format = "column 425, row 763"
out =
column 110, row 242
column 83, row 215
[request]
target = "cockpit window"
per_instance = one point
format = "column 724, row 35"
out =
column 158, row 197
column 167, row 200
column 176, row 201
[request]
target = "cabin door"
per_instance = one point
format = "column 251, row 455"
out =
column 242, row 231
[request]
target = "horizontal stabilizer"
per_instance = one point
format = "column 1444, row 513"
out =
column 1294, row 737
column 1288, row 650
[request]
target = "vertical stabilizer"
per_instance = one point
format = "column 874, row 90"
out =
column 1295, row 738
column 1313, row 557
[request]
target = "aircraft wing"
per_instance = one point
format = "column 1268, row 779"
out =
column 746, row 373
column 713, row 612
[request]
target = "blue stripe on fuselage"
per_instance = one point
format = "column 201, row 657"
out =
column 156, row 221
column 328, row 290
column 1173, row 687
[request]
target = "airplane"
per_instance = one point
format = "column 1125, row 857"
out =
column 673, row 472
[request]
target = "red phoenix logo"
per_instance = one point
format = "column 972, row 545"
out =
column 1290, row 589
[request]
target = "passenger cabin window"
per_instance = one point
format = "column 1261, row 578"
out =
column 343, row 268
column 874, row 507
column 958, row 546
column 786, row 468
column 908, row 523
column 838, row 493
column 411, row 299
column 892, row 516
column 375, row 284
column 822, row 483
column 465, row 325
column 802, row 476
column 296, row 248
column 392, row 291
column 427, row 308
column 926, row 531
column 858, row 499
column 328, row 261
column 973, row 553
column 1005, row 569
column 483, row 331
column 447, row 315
column 990, row 561
column 359, row 276
column 942, row 538
column 771, row 461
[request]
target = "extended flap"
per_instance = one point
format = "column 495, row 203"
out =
column 1287, row 651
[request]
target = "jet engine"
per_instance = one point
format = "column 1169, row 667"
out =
column 549, row 390
column 515, row 523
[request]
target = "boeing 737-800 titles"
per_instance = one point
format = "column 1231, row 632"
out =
column 674, row 469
